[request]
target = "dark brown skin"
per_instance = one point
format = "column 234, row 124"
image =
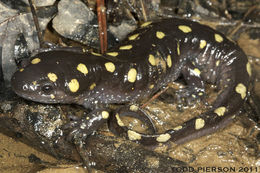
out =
column 150, row 58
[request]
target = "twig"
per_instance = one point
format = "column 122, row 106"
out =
column 36, row 23
column 154, row 97
column 102, row 25
column 143, row 10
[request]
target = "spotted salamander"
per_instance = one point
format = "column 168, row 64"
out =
column 147, row 60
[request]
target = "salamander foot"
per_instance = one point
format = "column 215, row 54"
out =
column 189, row 96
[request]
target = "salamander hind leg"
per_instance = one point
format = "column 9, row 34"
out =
column 195, row 89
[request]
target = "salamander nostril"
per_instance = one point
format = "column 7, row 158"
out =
column 25, row 87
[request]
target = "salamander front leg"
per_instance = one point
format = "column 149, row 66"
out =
column 81, row 127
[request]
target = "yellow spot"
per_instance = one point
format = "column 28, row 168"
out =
column 96, row 54
column 145, row 24
column 21, row 70
column 184, row 28
column 151, row 59
column 218, row 38
column 34, row 82
column 105, row 114
column 220, row 111
column 196, row 71
column 36, row 61
column 126, row 47
column 201, row 93
column 131, row 76
column 112, row 54
column 177, row 128
column 52, row 96
column 217, row 63
column 151, row 86
column 132, row 135
column 133, row 37
column 163, row 137
column 92, row 86
column 134, row 108
column 53, row 77
column 159, row 61
column 248, row 69
column 178, row 48
column 82, row 68
column 199, row 123
column 203, row 43
column 119, row 121
column 110, row 67
column 160, row 34
column 169, row 61
column 74, row 85
column 241, row 89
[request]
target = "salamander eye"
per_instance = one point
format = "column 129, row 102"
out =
column 47, row 88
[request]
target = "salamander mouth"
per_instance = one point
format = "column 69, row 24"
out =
column 31, row 97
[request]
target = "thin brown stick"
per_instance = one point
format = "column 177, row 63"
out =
column 36, row 23
column 102, row 25
column 143, row 10
column 154, row 97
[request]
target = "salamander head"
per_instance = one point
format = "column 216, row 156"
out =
column 42, row 81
